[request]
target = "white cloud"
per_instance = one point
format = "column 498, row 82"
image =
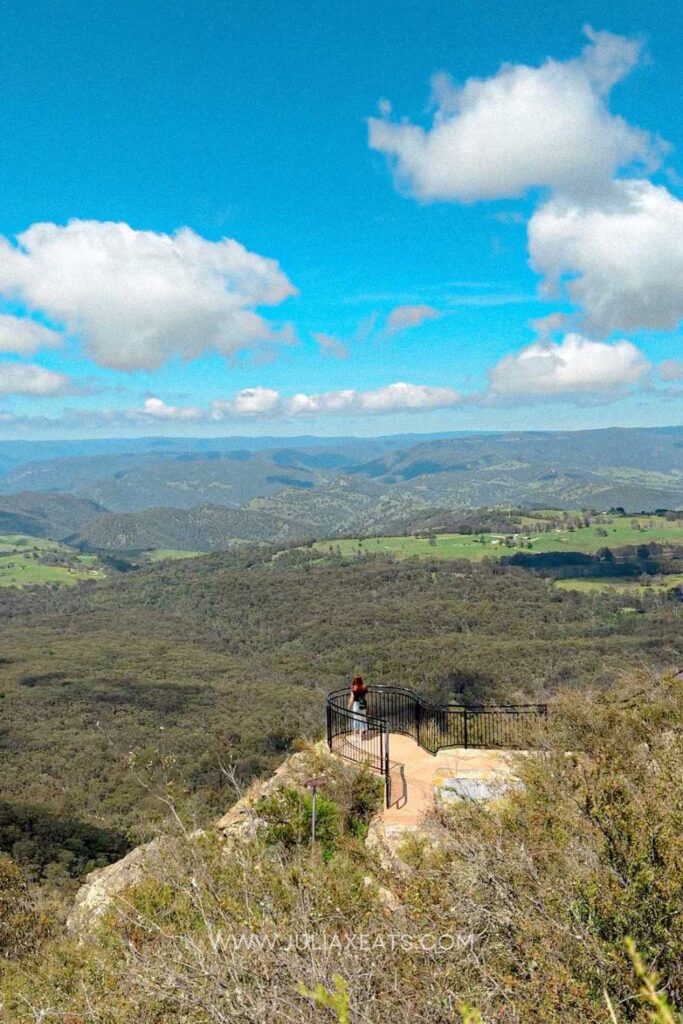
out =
column 140, row 298
column 551, row 324
column 523, row 128
column 330, row 345
column 23, row 337
column 404, row 317
column 398, row 397
column 571, row 368
column 671, row 369
column 157, row 409
column 251, row 402
column 624, row 259
column 612, row 245
column 29, row 379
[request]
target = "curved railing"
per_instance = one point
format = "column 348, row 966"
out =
column 365, row 739
column 435, row 726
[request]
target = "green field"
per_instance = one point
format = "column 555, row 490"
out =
column 622, row 586
column 604, row 531
column 25, row 561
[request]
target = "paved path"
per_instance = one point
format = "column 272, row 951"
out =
column 415, row 774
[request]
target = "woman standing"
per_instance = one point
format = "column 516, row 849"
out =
column 358, row 705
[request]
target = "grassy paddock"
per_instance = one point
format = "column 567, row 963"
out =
column 604, row 531
column 23, row 562
column 622, row 586
column 162, row 554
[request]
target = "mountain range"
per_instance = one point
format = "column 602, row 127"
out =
column 206, row 497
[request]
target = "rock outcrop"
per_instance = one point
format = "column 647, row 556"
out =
column 101, row 887
column 104, row 886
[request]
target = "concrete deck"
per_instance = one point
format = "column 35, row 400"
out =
column 417, row 775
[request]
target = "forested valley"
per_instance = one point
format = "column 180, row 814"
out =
column 227, row 658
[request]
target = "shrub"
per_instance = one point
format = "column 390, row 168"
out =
column 288, row 814
column 22, row 926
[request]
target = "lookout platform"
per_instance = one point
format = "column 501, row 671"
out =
column 425, row 750
column 417, row 778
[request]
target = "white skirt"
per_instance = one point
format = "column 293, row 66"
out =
column 359, row 722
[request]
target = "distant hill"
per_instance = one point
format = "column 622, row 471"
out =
column 205, row 528
column 45, row 515
column 327, row 489
column 291, row 514
column 350, row 504
column 20, row 453
column 134, row 482
column 636, row 468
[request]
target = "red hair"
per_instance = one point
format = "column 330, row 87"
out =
column 358, row 686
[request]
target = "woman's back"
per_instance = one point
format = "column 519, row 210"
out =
column 359, row 691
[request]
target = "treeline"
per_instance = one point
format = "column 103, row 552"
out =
column 474, row 521
column 628, row 561
column 525, row 521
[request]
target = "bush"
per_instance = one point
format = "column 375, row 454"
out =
column 22, row 926
column 288, row 814
column 364, row 800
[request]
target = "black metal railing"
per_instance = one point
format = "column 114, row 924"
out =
column 433, row 726
column 361, row 738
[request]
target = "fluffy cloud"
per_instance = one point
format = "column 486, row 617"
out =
column 24, row 337
column 404, row 317
column 29, row 379
column 612, row 245
column 399, row 397
column 140, row 298
column 571, row 368
column 252, row 402
column 625, row 258
column 157, row 409
column 523, row 128
column 671, row 369
column 553, row 323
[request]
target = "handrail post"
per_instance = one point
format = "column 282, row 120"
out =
column 329, row 726
column 387, row 774
column 465, row 736
column 418, row 719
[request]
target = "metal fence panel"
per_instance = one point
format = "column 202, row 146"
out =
column 433, row 726
column 364, row 740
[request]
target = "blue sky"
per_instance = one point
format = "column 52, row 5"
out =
column 202, row 233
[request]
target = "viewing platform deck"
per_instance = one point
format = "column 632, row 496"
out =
column 417, row 777
column 426, row 751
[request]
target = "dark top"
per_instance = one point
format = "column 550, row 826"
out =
column 359, row 692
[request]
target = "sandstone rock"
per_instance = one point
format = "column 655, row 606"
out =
column 390, row 902
column 101, row 887
column 99, row 892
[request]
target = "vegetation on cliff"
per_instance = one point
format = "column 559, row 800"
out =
column 521, row 908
